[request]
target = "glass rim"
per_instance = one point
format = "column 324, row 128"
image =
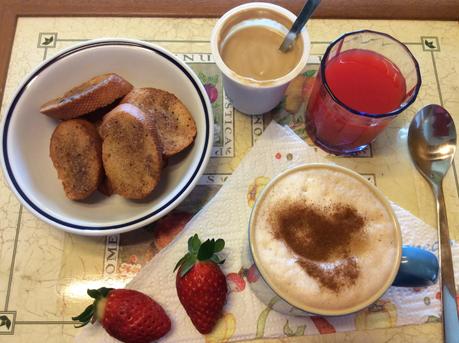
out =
column 361, row 113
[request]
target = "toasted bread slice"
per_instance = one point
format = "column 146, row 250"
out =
column 176, row 127
column 131, row 152
column 76, row 152
column 98, row 92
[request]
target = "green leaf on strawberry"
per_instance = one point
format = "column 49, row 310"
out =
column 188, row 264
column 89, row 314
column 85, row 317
column 181, row 261
column 219, row 245
column 198, row 251
column 216, row 259
column 194, row 243
column 206, row 250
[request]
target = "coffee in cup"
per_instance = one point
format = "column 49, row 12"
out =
column 325, row 241
column 250, row 46
column 245, row 43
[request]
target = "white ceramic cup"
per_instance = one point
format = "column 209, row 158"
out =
column 252, row 96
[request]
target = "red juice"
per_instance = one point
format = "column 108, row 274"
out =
column 364, row 81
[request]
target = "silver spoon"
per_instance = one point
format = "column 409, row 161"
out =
column 299, row 23
column 432, row 144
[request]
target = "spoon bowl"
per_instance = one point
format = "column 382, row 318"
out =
column 432, row 145
column 432, row 141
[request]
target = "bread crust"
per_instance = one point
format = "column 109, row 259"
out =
column 76, row 152
column 131, row 152
column 175, row 124
column 87, row 97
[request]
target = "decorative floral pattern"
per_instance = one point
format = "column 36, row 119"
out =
column 210, row 77
column 263, row 317
column 236, row 282
column 381, row 314
column 128, row 270
column 255, row 189
column 288, row 331
column 292, row 110
column 252, row 274
column 323, row 325
column 223, row 330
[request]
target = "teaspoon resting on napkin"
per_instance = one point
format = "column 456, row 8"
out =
column 432, row 144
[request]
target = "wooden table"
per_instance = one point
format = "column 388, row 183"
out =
column 44, row 272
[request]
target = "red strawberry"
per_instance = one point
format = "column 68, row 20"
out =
column 127, row 315
column 201, row 285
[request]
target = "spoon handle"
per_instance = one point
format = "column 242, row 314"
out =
column 304, row 15
column 448, row 286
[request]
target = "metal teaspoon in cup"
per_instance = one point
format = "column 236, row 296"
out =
column 432, row 144
column 299, row 23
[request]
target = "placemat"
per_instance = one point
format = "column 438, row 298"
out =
column 44, row 273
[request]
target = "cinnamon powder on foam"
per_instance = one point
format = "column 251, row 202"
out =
column 323, row 238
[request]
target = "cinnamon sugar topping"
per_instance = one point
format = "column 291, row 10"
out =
column 322, row 238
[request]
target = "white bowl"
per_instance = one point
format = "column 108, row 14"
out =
column 26, row 135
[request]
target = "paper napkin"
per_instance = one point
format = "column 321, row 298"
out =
column 245, row 316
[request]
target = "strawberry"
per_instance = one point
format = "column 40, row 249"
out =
column 201, row 285
column 127, row 315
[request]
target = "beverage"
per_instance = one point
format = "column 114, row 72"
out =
column 253, row 51
column 359, row 91
column 245, row 44
column 324, row 240
column 366, row 81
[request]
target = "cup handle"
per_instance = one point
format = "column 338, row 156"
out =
column 418, row 268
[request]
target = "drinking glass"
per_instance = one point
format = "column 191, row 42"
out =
column 331, row 122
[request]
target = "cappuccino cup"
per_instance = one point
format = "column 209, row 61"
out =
column 325, row 241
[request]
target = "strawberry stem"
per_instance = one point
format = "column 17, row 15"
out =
column 88, row 315
column 198, row 251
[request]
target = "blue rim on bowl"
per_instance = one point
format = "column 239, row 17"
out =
column 156, row 213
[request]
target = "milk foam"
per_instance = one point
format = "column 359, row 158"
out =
column 324, row 187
